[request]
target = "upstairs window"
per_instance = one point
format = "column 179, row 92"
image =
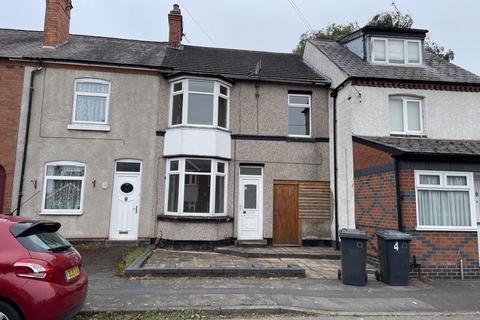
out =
column 405, row 115
column 91, row 101
column 299, row 106
column 199, row 102
column 396, row 51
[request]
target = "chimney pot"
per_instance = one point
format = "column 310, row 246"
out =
column 175, row 22
column 57, row 22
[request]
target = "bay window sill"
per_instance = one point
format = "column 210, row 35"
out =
column 186, row 218
column 88, row 127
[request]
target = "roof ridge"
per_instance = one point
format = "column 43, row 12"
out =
column 245, row 50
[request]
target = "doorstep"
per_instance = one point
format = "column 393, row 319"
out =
column 176, row 263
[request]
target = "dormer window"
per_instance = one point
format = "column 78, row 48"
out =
column 396, row 51
column 199, row 102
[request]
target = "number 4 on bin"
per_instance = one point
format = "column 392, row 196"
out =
column 395, row 246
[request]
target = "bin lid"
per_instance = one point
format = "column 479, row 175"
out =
column 394, row 235
column 353, row 234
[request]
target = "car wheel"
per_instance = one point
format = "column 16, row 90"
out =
column 7, row 312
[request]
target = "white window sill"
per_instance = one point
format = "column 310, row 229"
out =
column 447, row 229
column 88, row 127
column 60, row 213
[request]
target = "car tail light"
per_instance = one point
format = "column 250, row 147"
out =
column 33, row 269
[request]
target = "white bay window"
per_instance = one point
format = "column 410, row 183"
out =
column 199, row 102
column 196, row 186
column 63, row 187
column 445, row 200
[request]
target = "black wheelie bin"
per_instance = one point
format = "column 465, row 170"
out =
column 354, row 250
column 394, row 257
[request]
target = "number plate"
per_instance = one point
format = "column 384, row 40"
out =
column 72, row 273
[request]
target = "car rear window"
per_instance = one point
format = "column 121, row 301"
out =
column 45, row 242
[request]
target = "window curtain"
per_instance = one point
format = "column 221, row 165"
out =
column 63, row 194
column 90, row 108
column 444, row 208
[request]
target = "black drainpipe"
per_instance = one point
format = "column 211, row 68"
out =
column 25, row 143
column 334, row 95
column 399, row 200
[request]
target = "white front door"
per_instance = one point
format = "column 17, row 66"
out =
column 125, row 205
column 250, row 211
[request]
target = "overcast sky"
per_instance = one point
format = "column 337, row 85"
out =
column 270, row 25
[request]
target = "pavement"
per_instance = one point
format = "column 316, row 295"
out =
column 108, row 292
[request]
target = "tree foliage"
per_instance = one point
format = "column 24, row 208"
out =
column 333, row 31
column 391, row 19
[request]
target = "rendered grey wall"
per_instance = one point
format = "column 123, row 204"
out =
column 133, row 117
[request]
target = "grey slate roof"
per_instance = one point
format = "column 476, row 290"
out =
column 434, row 70
column 424, row 146
column 241, row 64
column 28, row 44
column 235, row 64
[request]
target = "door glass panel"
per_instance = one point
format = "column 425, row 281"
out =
column 126, row 187
column 250, row 196
column 128, row 166
column 251, row 171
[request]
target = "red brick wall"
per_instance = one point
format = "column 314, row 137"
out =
column 11, row 84
column 375, row 192
column 57, row 22
column 438, row 252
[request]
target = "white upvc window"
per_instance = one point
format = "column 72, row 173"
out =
column 396, row 51
column 445, row 200
column 91, row 102
column 196, row 187
column 406, row 115
column 200, row 102
column 63, row 188
column 299, row 115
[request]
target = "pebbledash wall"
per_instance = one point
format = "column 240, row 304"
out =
column 436, row 253
column 259, row 137
column 11, row 87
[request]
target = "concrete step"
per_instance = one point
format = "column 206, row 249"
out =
column 275, row 252
column 251, row 243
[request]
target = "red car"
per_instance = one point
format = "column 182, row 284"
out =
column 41, row 274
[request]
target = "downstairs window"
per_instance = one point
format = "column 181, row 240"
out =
column 445, row 200
column 196, row 186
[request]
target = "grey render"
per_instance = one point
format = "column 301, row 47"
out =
column 139, row 110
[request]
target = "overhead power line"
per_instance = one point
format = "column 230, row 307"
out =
column 301, row 15
column 197, row 23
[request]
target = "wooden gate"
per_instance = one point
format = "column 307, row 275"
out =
column 297, row 203
column 286, row 228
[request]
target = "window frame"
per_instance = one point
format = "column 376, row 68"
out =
column 186, row 92
column 92, row 94
column 405, row 52
column 444, row 187
column 45, row 211
column 181, row 172
column 299, row 105
column 405, row 100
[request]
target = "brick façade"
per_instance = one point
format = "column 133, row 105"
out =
column 436, row 253
column 11, row 86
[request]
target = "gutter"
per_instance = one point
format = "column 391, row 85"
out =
column 25, row 142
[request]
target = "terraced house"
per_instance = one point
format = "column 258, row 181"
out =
column 405, row 145
column 132, row 139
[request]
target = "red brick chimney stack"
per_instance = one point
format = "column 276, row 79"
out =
column 175, row 22
column 57, row 22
